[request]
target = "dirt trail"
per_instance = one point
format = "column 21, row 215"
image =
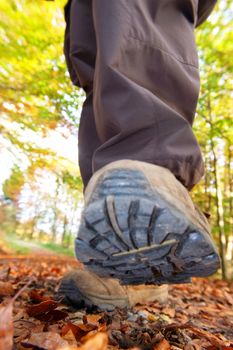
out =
column 34, row 247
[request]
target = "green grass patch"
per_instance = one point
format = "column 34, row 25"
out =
column 13, row 245
column 16, row 245
column 58, row 249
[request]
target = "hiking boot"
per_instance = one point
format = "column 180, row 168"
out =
column 82, row 288
column 140, row 226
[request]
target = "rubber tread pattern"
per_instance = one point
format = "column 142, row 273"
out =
column 131, row 233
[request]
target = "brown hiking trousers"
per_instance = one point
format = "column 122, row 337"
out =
column 137, row 62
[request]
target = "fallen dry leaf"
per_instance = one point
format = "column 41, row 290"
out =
column 193, row 346
column 6, row 321
column 229, row 298
column 70, row 338
column 87, row 327
column 52, row 316
column 47, row 340
column 42, row 308
column 6, row 289
column 169, row 311
column 79, row 331
column 92, row 319
column 98, row 342
column 6, row 326
column 162, row 345
column 37, row 296
column 213, row 339
column 73, row 328
column 4, row 273
column 87, row 336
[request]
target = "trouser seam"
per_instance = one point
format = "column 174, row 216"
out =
column 162, row 50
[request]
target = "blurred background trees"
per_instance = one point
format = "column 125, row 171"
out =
column 40, row 185
column 214, row 127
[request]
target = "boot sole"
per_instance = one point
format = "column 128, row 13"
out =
column 130, row 232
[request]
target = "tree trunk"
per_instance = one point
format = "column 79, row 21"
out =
column 64, row 232
column 55, row 208
column 218, row 199
column 229, row 191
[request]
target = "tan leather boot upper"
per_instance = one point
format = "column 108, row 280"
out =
column 108, row 293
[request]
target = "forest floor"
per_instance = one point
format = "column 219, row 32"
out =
column 197, row 316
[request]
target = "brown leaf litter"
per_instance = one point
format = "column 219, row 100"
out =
column 197, row 316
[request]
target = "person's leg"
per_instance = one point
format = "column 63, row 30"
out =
column 146, row 84
column 139, row 223
column 81, row 287
column 80, row 53
column 205, row 7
